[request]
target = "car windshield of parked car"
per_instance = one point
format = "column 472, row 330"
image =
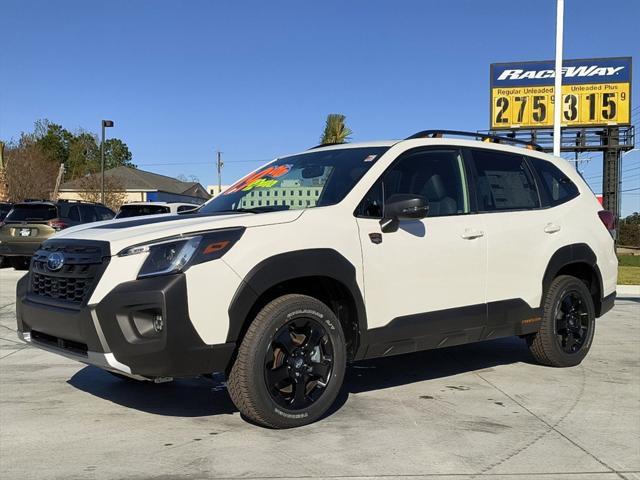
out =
column 313, row 179
column 127, row 211
column 36, row 212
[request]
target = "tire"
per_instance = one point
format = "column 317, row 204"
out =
column 568, row 324
column 290, row 365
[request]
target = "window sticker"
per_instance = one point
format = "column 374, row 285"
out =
column 263, row 179
column 370, row 158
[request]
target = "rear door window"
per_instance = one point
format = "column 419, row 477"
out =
column 503, row 181
column 37, row 212
column 104, row 213
column 558, row 188
column 88, row 213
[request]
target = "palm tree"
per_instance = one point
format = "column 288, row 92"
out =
column 335, row 131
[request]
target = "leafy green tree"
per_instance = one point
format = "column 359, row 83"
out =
column 629, row 230
column 80, row 150
column 117, row 154
column 335, row 130
column 53, row 140
column 84, row 155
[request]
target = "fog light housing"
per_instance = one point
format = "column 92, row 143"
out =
column 158, row 323
column 147, row 322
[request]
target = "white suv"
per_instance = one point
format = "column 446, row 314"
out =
column 333, row 255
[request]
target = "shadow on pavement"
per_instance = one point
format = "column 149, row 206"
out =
column 208, row 396
column 193, row 397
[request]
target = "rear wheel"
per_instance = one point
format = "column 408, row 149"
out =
column 290, row 364
column 568, row 324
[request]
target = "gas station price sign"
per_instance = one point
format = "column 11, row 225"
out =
column 595, row 92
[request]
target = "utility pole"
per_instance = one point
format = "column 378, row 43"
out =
column 54, row 197
column 219, row 165
column 557, row 90
column 611, row 174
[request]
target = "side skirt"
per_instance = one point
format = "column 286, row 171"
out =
column 454, row 326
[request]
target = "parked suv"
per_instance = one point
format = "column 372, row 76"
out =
column 333, row 255
column 29, row 223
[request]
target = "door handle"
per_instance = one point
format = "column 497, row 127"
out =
column 471, row 234
column 551, row 228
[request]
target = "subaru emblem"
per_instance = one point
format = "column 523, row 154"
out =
column 55, row 261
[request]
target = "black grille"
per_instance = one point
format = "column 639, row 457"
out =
column 74, row 282
column 50, row 340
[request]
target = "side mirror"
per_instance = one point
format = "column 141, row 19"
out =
column 402, row 206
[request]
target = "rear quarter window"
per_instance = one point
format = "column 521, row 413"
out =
column 556, row 187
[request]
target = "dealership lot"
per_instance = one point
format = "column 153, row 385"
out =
column 482, row 410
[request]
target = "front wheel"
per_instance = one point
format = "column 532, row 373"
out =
column 568, row 324
column 290, row 364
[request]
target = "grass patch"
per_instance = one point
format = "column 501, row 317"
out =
column 629, row 260
column 628, row 275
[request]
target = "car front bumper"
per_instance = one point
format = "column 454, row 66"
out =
column 141, row 329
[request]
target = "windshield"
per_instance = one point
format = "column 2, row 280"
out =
column 127, row 211
column 314, row 179
column 32, row 212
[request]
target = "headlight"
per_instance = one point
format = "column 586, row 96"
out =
column 176, row 254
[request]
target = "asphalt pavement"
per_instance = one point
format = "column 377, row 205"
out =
column 482, row 411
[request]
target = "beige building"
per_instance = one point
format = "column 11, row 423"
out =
column 140, row 186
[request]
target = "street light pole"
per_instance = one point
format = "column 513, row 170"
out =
column 105, row 124
column 557, row 90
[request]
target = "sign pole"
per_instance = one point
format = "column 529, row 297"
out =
column 557, row 91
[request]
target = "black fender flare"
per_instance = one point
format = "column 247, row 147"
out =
column 567, row 255
column 317, row 262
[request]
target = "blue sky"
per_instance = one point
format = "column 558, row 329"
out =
column 256, row 79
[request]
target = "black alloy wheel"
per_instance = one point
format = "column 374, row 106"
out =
column 572, row 322
column 299, row 363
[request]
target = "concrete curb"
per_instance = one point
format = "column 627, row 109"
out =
column 628, row 290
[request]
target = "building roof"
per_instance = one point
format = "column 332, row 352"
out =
column 135, row 179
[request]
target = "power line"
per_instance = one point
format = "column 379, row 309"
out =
column 201, row 163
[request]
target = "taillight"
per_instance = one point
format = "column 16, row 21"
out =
column 57, row 225
column 608, row 219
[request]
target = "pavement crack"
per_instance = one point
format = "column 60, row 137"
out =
column 14, row 351
column 550, row 427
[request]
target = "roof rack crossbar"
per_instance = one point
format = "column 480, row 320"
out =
column 476, row 135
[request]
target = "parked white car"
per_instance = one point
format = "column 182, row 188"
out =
column 138, row 209
column 354, row 251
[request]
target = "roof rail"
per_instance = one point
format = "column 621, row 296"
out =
column 76, row 200
column 485, row 137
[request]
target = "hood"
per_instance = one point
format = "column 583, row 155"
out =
column 125, row 232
